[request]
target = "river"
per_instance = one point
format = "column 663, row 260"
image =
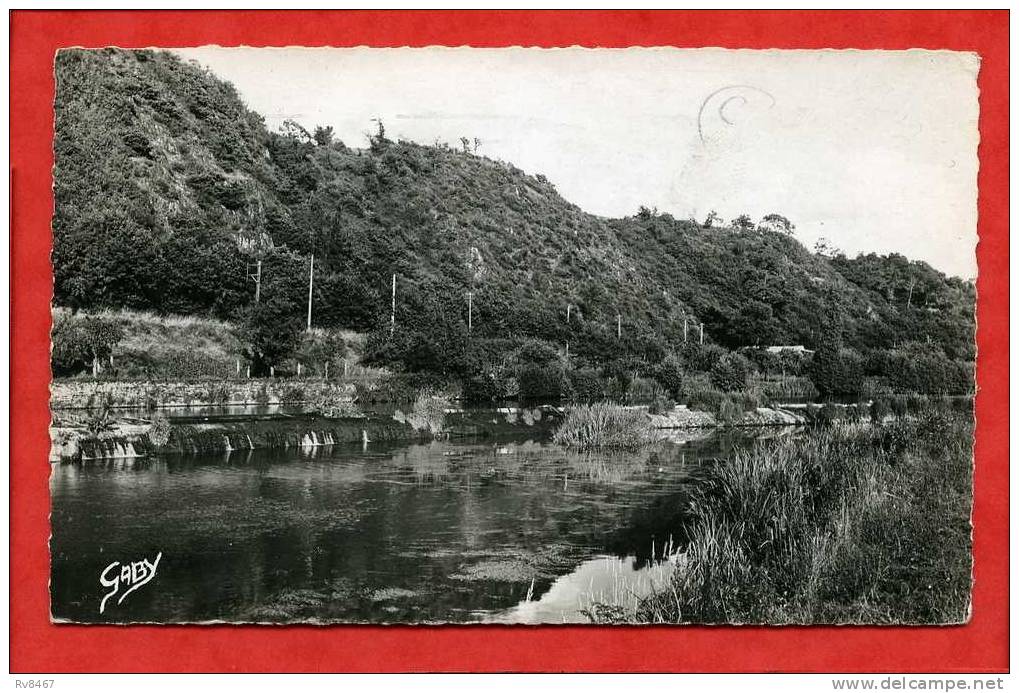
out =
column 495, row 530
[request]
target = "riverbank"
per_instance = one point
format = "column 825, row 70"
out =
column 93, row 419
column 74, row 441
column 857, row 523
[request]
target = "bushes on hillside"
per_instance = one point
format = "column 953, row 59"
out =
column 543, row 383
column 921, row 368
column 586, row 385
column 82, row 342
column 731, row 372
column 836, row 371
column 271, row 331
column 669, row 374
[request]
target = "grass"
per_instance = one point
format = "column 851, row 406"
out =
column 726, row 406
column 604, row 425
column 171, row 346
column 427, row 414
column 785, row 388
column 855, row 523
column 192, row 349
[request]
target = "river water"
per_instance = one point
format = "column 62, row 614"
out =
column 506, row 530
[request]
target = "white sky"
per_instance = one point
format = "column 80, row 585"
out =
column 873, row 150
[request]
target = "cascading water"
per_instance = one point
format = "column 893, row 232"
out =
column 108, row 449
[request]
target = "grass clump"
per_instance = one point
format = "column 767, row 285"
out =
column 855, row 523
column 604, row 425
column 427, row 415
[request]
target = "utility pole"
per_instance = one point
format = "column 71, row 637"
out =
column 311, row 282
column 685, row 327
column 257, row 279
column 702, row 333
column 470, row 311
column 619, row 326
column 392, row 312
column 568, row 307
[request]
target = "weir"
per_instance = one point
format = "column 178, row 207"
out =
column 284, row 433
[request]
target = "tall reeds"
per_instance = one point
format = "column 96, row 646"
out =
column 604, row 425
column 854, row 523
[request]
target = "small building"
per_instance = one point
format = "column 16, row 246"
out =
column 795, row 349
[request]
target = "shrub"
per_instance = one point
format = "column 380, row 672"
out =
column 661, row 405
column 586, row 385
column 836, row 372
column 428, row 414
column 702, row 357
column 705, row 399
column 80, row 342
column 730, row 373
column 669, row 374
column 787, row 388
column 729, row 410
column 546, row 383
column 644, row 390
column 292, row 394
column 879, row 410
column 159, row 430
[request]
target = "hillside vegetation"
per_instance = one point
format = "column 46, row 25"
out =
column 169, row 190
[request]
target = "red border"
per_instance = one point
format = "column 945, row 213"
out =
column 36, row 645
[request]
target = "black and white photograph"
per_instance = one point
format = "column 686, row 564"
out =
column 513, row 336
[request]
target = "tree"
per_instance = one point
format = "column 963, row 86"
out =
column 836, row 371
column 776, row 223
column 754, row 324
column 669, row 374
column 730, row 373
column 711, row 219
column 378, row 141
column 743, row 223
column 824, row 248
column 324, row 135
column 78, row 341
column 271, row 330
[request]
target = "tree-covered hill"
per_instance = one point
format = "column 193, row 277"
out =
column 169, row 189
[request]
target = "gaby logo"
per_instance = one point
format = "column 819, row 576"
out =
column 128, row 575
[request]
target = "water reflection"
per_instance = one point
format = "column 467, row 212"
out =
column 607, row 580
column 434, row 532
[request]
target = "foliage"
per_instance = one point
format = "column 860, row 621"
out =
column 669, row 374
column 727, row 407
column 159, row 430
column 586, row 385
column 272, row 332
column 543, row 383
column 920, row 368
column 81, row 342
column 835, row 371
column 731, row 372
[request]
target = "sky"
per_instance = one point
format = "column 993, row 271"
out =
column 875, row 151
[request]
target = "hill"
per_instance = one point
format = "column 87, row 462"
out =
column 169, row 189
